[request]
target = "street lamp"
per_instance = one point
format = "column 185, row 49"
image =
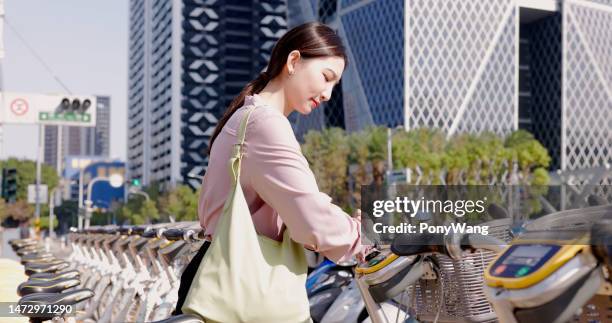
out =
column 81, row 175
column 390, row 133
column 51, row 211
column 115, row 181
column 138, row 191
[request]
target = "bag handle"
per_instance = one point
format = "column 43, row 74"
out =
column 234, row 162
column 236, row 158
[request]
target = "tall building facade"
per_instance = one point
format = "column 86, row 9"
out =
column 474, row 66
column 80, row 141
column 187, row 61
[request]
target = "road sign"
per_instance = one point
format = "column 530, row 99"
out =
column 19, row 106
column 42, row 194
column 57, row 109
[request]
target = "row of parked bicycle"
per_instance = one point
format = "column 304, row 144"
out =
column 557, row 269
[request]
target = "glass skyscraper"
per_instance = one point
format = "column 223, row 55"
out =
column 187, row 61
column 474, row 66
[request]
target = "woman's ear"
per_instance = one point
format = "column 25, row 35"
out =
column 292, row 60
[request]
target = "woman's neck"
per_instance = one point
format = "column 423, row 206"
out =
column 274, row 95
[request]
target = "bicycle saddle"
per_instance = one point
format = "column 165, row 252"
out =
column 45, row 260
column 46, row 299
column 30, row 250
column 417, row 243
column 44, row 264
column 43, row 286
column 36, row 257
column 45, row 268
column 182, row 230
column 54, row 276
column 149, row 233
column 139, row 229
column 183, row 318
column 126, row 230
column 14, row 241
column 110, row 229
column 20, row 244
column 174, row 234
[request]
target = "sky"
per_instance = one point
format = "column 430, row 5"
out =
column 85, row 44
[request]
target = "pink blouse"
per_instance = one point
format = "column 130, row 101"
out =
column 278, row 185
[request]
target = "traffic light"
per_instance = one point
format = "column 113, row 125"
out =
column 9, row 184
column 75, row 105
column 136, row 182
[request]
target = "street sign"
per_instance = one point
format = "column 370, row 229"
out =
column 42, row 194
column 56, row 109
column 19, row 106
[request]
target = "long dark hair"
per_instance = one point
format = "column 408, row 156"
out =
column 311, row 39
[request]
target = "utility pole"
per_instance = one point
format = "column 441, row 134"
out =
column 1, row 75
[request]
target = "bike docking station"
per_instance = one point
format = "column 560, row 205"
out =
column 506, row 253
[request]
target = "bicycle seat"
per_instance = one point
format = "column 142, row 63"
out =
column 30, row 250
column 21, row 244
column 15, row 241
column 34, row 257
column 43, row 264
column 183, row 318
column 43, row 286
column 140, row 229
column 45, row 268
column 110, row 229
column 149, row 233
column 125, row 230
column 44, row 260
column 54, row 276
column 174, row 234
column 417, row 243
column 46, row 299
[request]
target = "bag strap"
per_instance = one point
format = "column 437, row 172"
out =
column 237, row 152
column 243, row 125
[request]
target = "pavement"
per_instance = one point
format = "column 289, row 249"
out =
column 11, row 275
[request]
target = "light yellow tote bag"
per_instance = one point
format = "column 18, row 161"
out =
column 246, row 277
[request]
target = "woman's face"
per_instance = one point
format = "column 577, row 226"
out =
column 312, row 81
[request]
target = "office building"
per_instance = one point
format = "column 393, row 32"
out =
column 474, row 66
column 187, row 61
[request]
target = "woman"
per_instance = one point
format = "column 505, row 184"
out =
column 280, row 189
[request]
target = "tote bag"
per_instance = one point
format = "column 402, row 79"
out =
column 246, row 277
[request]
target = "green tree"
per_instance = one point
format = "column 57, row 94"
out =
column 26, row 175
column 180, row 203
column 20, row 210
column 328, row 152
column 3, row 213
column 529, row 153
column 149, row 210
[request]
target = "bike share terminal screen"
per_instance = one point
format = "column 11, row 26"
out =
column 521, row 260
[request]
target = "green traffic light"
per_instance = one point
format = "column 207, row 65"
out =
column 136, row 182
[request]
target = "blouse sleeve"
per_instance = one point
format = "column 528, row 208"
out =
column 280, row 175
